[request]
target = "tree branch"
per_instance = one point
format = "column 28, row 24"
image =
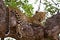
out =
column 54, row 2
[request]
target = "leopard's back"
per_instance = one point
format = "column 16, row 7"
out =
column 37, row 18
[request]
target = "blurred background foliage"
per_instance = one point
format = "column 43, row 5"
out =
column 28, row 8
column 52, row 6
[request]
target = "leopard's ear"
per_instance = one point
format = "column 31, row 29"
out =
column 36, row 11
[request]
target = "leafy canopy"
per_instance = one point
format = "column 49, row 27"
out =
column 28, row 8
column 50, row 7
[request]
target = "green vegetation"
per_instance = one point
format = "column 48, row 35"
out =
column 52, row 8
column 28, row 8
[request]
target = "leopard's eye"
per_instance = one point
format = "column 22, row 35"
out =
column 39, row 20
column 18, row 15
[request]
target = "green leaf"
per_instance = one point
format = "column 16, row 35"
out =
column 28, row 8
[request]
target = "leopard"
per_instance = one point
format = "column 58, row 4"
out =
column 25, row 30
column 37, row 18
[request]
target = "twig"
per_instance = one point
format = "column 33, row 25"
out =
column 39, row 5
column 54, row 2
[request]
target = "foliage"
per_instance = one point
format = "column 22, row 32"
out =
column 50, row 7
column 28, row 8
column 36, row 1
column 58, row 0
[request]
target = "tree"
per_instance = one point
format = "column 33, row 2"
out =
column 28, row 8
column 52, row 8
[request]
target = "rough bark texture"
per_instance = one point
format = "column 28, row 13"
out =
column 3, row 19
column 52, row 29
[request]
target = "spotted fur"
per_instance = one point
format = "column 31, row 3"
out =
column 23, row 28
